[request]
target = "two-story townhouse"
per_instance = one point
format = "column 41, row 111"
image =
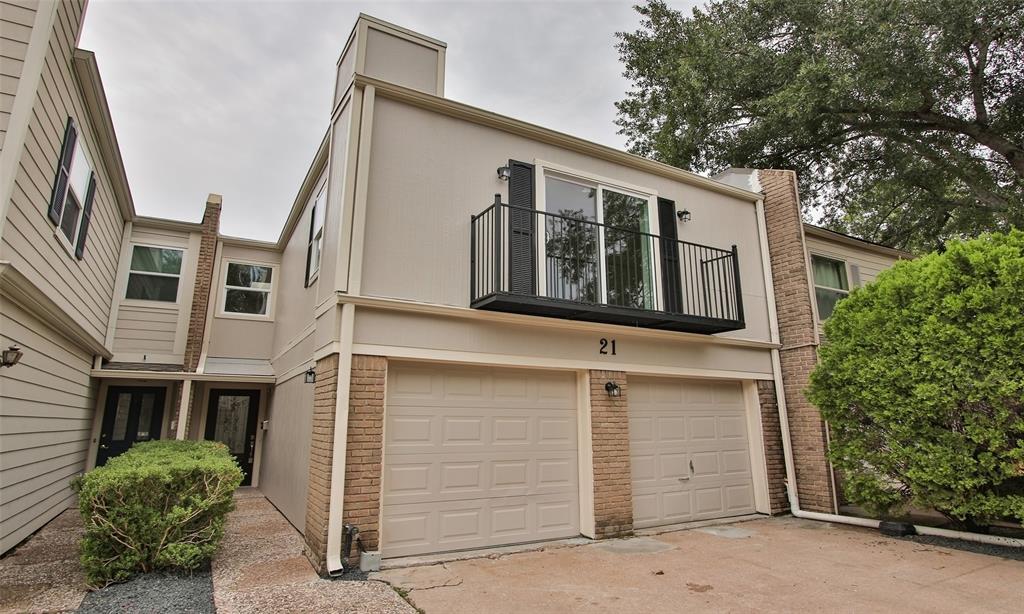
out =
column 471, row 331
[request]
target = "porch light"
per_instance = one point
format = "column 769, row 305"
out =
column 11, row 356
column 684, row 215
column 311, row 376
column 612, row 389
column 504, row 173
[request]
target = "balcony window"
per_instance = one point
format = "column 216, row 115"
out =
column 830, row 284
column 154, row 273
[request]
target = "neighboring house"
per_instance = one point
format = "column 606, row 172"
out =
column 471, row 331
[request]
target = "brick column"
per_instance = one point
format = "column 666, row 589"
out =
column 774, row 458
column 321, row 454
column 797, row 328
column 613, row 486
column 204, row 282
column 365, row 449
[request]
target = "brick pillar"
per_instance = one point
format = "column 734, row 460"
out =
column 797, row 329
column 774, row 458
column 321, row 454
column 613, row 487
column 365, row 449
column 204, row 282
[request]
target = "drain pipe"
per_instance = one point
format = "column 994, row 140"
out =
column 794, row 496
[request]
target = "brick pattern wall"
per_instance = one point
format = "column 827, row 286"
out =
column 774, row 457
column 203, row 282
column 797, row 329
column 365, row 449
column 318, row 499
column 613, row 488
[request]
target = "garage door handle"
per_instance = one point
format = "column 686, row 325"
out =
column 686, row 479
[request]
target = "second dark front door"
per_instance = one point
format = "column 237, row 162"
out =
column 231, row 420
column 133, row 413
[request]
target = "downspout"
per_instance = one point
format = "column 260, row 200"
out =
column 335, row 528
column 792, row 492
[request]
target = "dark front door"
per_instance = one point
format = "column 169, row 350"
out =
column 231, row 420
column 133, row 413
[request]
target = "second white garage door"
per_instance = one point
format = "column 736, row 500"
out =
column 477, row 457
column 688, row 450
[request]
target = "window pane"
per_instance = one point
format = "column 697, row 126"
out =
column 249, row 276
column 628, row 253
column 152, row 288
column 80, row 171
column 314, row 256
column 829, row 273
column 246, row 301
column 232, row 415
column 319, row 211
column 571, row 244
column 156, row 260
column 124, row 404
column 145, row 417
column 69, row 217
column 827, row 300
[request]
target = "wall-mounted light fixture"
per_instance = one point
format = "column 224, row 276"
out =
column 11, row 356
column 684, row 215
column 504, row 173
column 612, row 389
column 311, row 376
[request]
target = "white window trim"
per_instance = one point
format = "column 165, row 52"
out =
column 223, row 291
column 814, row 281
column 544, row 169
column 138, row 302
column 321, row 190
column 68, row 244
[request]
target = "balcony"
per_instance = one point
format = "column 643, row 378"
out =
column 563, row 265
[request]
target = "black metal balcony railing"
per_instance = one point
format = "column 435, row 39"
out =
column 600, row 272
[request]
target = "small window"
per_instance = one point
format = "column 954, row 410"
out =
column 316, row 234
column 830, row 284
column 154, row 274
column 247, row 289
column 73, row 190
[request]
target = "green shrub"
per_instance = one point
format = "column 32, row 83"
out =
column 162, row 504
column 922, row 381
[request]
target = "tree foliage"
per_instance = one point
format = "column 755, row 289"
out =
column 904, row 119
column 922, row 383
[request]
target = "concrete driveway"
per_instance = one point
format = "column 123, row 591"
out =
column 766, row 565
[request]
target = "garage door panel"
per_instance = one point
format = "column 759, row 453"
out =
column 477, row 458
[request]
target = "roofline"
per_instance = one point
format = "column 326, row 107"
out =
column 167, row 224
column 831, row 235
column 308, row 184
column 487, row 118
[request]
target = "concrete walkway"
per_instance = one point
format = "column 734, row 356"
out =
column 769, row 565
column 43, row 574
column 260, row 568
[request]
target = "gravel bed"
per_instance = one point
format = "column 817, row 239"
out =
column 155, row 592
column 1006, row 552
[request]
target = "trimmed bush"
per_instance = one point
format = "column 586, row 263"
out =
column 162, row 504
column 922, row 382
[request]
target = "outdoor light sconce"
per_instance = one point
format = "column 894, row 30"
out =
column 11, row 356
column 612, row 389
column 311, row 376
column 684, row 215
column 504, row 173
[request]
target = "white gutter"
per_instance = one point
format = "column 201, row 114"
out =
column 335, row 508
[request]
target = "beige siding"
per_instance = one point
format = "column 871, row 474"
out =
column 145, row 329
column 239, row 336
column 399, row 60
column 294, row 313
column 82, row 288
column 284, row 466
column 46, row 411
column 16, row 19
column 429, row 173
column 870, row 262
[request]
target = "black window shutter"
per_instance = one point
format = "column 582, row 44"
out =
column 671, row 278
column 522, row 270
column 83, row 230
column 309, row 244
column 60, row 182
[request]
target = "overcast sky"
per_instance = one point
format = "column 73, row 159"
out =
column 233, row 97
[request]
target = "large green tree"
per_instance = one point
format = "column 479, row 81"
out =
column 903, row 118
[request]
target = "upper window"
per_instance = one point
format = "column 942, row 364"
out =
column 830, row 284
column 73, row 190
column 247, row 289
column 316, row 234
column 154, row 273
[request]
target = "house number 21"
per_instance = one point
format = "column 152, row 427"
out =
column 608, row 347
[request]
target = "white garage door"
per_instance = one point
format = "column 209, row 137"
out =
column 689, row 451
column 477, row 457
